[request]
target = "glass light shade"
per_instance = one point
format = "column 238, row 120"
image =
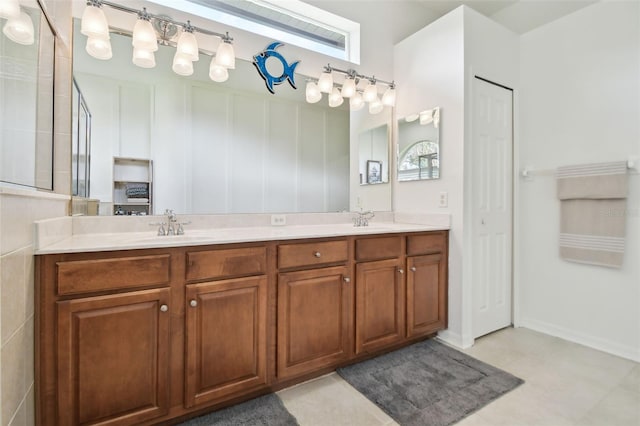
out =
column 370, row 93
column 356, row 102
column 20, row 29
column 94, row 23
column 348, row 88
column 99, row 48
column 375, row 106
column 313, row 93
column 389, row 97
column 411, row 117
column 188, row 45
column 225, row 55
column 335, row 99
column 143, row 58
column 9, row 9
column 144, row 36
column 325, row 82
column 182, row 65
column 426, row 117
column 218, row 73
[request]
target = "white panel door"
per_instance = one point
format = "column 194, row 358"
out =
column 492, row 148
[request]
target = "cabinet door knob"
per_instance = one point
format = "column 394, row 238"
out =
column 401, row 270
column 164, row 308
column 413, row 269
column 347, row 279
column 317, row 254
column 193, row 303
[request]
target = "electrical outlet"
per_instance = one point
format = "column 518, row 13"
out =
column 278, row 219
column 444, row 199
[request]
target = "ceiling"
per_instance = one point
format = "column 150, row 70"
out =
column 520, row 16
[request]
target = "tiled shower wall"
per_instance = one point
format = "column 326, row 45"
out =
column 18, row 210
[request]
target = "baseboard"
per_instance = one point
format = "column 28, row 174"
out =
column 614, row 348
column 453, row 339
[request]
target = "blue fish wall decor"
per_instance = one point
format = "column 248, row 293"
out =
column 260, row 62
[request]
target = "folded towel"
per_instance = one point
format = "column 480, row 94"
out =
column 592, row 230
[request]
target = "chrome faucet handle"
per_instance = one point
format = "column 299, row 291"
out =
column 161, row 231
column 180, row 230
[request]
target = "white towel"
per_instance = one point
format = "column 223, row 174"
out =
column 592, row 204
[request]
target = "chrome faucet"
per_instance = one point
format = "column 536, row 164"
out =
column 362, row 218
column 173, row 227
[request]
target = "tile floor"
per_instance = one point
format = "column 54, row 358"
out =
column 565, row 384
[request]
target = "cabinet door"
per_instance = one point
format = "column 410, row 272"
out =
column 426, row 294
column 380, row 304
column 113, row 358
column 226, row 326
column 314, row 308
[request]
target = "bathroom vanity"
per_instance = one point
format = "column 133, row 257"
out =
column 156, row 331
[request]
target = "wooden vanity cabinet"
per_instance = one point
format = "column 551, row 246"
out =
column 226, row 323
column 427, row 283
column 314, row 307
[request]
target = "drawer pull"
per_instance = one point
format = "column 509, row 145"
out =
column 193, row 303
column 164, row 308
column 317, row 254
column 413, row 269
column 400, row 270
column 347, row 279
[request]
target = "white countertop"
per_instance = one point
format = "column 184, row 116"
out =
column 197, row 237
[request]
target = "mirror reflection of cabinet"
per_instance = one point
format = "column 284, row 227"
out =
column 374, row 155
column 132, row 186
column 80, row 145
column 419, row 146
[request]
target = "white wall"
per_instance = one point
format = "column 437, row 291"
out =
column 436, row 66
column 580, row 104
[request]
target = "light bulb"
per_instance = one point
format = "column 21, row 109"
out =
column 375, row 106
column 143, row 58
column 9, row 9
column 389, row 97
column 348, row 88
column 325, row 82
column 313, row 93
column 182, row 65
column 144, row 36
column 356, row 102
column 411, row 117
column 94, row 23
column 225, row 55
column 218, row 73
column 335, row 99
column 188, row 45
column 99, row 48
column 20, row 29
column 370, row 92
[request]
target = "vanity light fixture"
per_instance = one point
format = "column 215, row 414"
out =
column 349, row 89
column 145, row 40
column 19, row 27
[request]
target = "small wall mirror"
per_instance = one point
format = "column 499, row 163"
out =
column 419, row 146
column 373, row 155
column 26, row 98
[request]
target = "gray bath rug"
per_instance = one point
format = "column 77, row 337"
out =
column 266, row 410
column 428, row 383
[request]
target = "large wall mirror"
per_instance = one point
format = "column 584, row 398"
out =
column 419, row 146
column 27, row 51
column 213, row 147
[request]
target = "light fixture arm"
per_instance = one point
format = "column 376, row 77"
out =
column 99, row 3
column 354, row 74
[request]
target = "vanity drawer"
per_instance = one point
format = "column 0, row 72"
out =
column 311, row 254
column 226, row 263
column 86, row 276
column 433, row 242
column 378, row 248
